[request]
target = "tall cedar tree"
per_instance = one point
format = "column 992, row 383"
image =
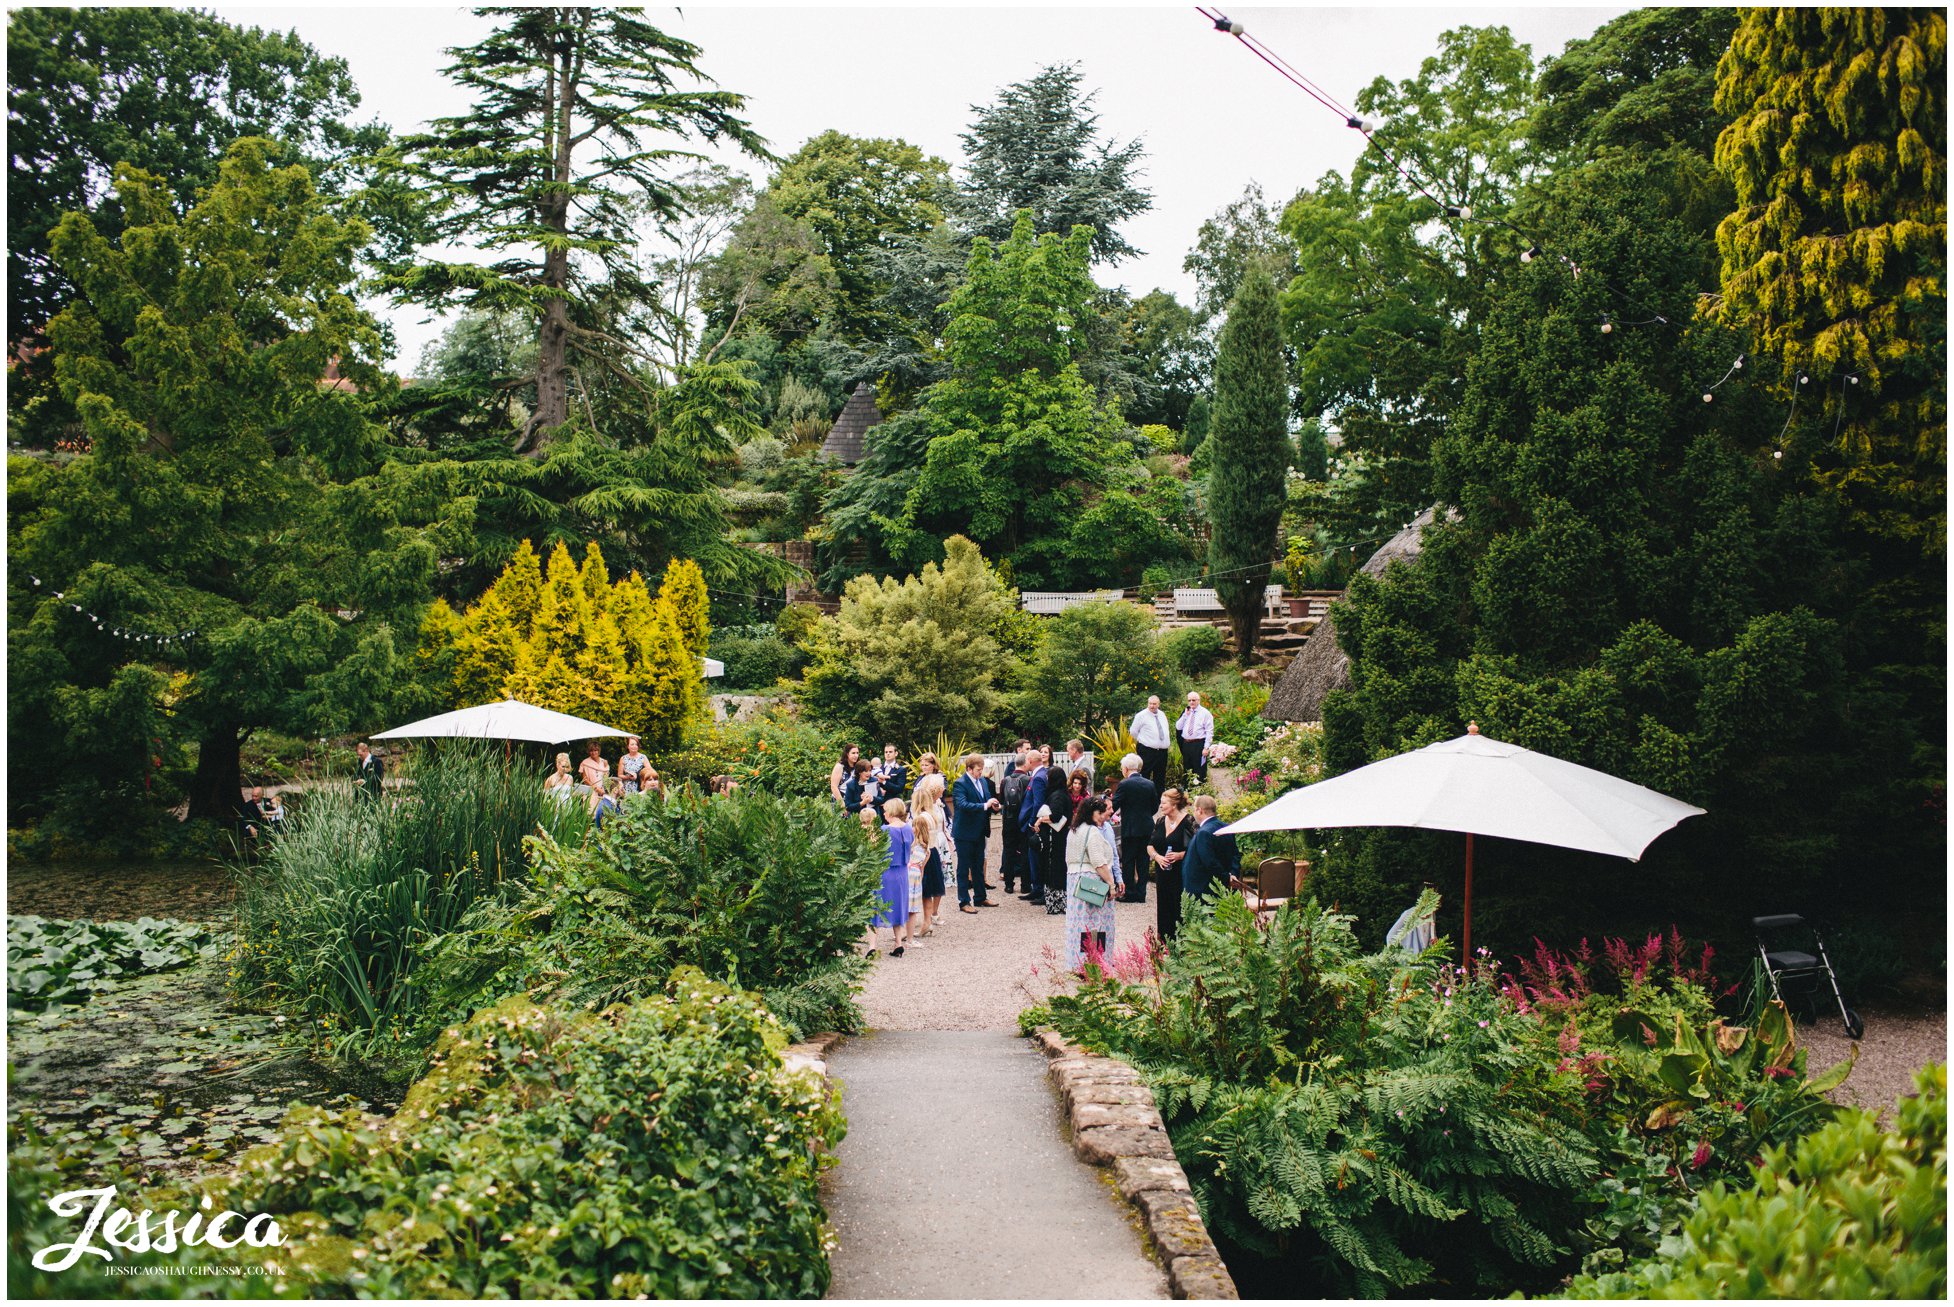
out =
column 1037, row 148
column 548, row 82
column 1250, row 452
column 225, row 490
column 1836, row 257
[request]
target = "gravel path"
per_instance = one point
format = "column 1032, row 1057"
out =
column 955, row 1180
column 1894, row 1047
column 978, row 972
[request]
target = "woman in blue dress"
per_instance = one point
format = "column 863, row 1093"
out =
column 895, row 878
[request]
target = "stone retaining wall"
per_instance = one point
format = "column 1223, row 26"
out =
column 1114, row 1124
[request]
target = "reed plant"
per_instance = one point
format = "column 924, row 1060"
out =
column 337, row 916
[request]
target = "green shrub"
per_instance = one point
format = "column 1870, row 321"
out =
column 335, row 920
column 1367, row 1120
column 1849, row 1211
column 768, row 893
column 1193, row 649
column 778, row 751
column 657, row 1149
column 1099, row 661
column 1239, row 721
column 66, row 961
column 755, row 658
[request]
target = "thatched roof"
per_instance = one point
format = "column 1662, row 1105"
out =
column 847, row 438
column 1322, row 666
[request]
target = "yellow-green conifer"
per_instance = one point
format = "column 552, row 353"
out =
column 663, row 694
column 524, row 680
column 521, row 587
column 560, row 688
column 685, row 590
column 631, row 605
column 436, row 654
column 562, row 611
column 602, row 665
column 487, row 651
column 595, row 576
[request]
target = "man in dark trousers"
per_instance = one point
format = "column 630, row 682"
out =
column 1213, row 863
column 1010, row 793
column 369, row 773
column 1152, row 733
column 1136, row 800
column 1034, row 799
column 970, row 828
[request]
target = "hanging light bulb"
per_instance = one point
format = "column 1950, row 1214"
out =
column 1607, row 327
column 1778, row 454
column 1529, row 254
column 1739, row 363
column 1465, row 211
column 1707, row 397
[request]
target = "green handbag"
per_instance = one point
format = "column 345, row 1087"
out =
column 1092, row 891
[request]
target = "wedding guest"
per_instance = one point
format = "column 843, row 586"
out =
column 631, row 766
column 1171, row 831
column 932, row 825
column 859, row 792
column 892, row 777
column 274, row 811
column 895, row 911
column 971, row 829
column 1010, row 793
column 1089, row 856
column 594, row 770
column 1033, row 815
column 1055, row 822
column 1196, row 729
column 1213, row 864
column 561, row 777
column 369, row 772
column 1135, row 799
column 1152, row 737
column 844, row 770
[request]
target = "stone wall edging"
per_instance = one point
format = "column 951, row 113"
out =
column 1115, row 1124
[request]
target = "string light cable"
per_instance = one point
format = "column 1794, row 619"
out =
column 101, row 624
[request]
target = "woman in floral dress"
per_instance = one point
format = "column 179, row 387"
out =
column 1088, row 852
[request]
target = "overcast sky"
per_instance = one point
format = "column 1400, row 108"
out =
column 1211, row 115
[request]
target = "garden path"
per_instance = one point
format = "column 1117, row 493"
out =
column 956, row 1180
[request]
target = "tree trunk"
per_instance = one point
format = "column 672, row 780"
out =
column 552, row 365
column 553, row 340
column 218, row 786
column 1246, row 621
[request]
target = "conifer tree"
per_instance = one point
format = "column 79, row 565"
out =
column 662, row 696
column 1836, row 257
column 685, row 590
column 1250, row 452
column 487, row 650
column 520, row 588
column 525, row 678
column 631, row 605
column 562, row 610
column 548, row 82
column 559, row 687
column 594, row 577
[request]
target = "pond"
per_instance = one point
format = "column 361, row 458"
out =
column 165, row 1075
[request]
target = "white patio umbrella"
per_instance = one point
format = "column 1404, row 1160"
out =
column 511, row 719
column 1483, row 787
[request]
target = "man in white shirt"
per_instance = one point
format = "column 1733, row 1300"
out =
column 1196, row 729
column 1152, row 740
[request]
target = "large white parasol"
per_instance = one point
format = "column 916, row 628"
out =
column 511, row 719
column 1483, row 787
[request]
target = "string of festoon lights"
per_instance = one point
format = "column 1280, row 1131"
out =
column 106, row 628
column 1454, row 211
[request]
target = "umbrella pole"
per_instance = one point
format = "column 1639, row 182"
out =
column 1468, row 901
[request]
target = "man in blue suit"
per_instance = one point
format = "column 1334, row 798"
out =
column 970, row 829
column 1034, row 799
column 1213, row 863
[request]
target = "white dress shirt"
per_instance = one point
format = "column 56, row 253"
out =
column 1150, row 728
column 1195, row 724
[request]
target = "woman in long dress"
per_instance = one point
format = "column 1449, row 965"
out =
column 1171, row 831
column 844, row 770
column 1089, row 853
column 895, row 878
column 932, row 846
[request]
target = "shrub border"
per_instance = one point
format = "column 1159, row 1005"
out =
column 1115, row 1124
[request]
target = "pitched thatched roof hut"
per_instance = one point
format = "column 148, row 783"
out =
column 848, row 437
column 1322, row 666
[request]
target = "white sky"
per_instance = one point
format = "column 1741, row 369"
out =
column 1212, row 116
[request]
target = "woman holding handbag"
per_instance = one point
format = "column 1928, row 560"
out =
column 1090, row 886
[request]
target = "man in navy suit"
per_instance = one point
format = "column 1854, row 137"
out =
column 1213, row 863
column 1034, row 799
column 1010, row 792
column 970, row 829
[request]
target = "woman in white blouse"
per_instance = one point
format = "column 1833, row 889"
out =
column 1089, row 853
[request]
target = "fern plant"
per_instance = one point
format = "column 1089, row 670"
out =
column 1370, row 1117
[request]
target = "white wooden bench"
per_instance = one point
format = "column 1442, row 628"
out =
column 1203, row 601
column 1046, row 603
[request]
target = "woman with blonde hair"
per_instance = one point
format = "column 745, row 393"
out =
column 561, row 777
column 896, row 904
column 932, row 847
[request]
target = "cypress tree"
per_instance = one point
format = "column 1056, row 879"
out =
column 1249, row 452
column 520, row 587
column 685, row 590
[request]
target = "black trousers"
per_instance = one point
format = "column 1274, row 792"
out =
column 1167, row 902
column 1016, row 870
column 1194, row 757
column 1153, row 764
column 1133, row 867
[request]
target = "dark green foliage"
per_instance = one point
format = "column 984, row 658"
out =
column 1851, row 1211
column 1099, row 662
column 67, row 961
column 1362, row 1121
column 166, row 91
column 1250, row 455
column 778, row 751
column 755, row 657
column 1193, row 649
column 337, row 919
column 224, row 491
column 765, row 892
column 1038, row 149
column 506, row 177
column 655, row 1149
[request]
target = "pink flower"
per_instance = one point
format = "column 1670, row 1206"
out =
column 1700, row 1157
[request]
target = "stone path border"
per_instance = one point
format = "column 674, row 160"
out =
column 1115, row 1124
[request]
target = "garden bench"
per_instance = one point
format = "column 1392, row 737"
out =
column 1204, row 600
column 1046, row 603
